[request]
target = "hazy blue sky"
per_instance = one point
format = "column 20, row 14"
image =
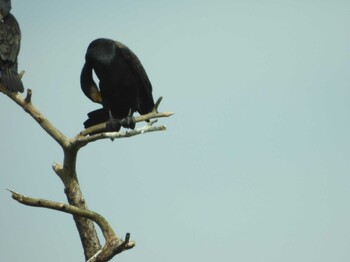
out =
column 255, row 163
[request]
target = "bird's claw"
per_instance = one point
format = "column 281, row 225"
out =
column 128, row 122
column 114, row 124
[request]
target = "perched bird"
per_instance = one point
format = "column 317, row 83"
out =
column 10, row 41
column 124, row 86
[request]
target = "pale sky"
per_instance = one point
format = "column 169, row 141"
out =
column 255, row 163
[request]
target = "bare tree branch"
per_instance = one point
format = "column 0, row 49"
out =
column 36, row 202
column 83, row 140
column 118, row 244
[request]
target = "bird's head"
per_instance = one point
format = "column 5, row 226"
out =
column 5, row 7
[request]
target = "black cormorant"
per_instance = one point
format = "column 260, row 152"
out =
column 124, row 86
column 10, row 41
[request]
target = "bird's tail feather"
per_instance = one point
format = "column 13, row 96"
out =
column 96, row 117
column 11, row 79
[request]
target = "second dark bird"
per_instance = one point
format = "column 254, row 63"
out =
column 124, row 86
column 10, row 41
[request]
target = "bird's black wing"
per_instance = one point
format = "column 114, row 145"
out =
column 135, row 65
column 10, row 40
column 145, row 103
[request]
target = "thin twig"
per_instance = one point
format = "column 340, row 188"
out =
column 156, row 105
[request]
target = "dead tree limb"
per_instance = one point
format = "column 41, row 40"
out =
column 113, row 245
column 37, row 202
column 77, row 206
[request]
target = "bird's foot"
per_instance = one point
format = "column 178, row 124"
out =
column 129, row 121
column 113, row 124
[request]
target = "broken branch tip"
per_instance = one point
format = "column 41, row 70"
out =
column 29, row 96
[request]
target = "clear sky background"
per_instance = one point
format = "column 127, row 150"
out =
column 255, row 163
